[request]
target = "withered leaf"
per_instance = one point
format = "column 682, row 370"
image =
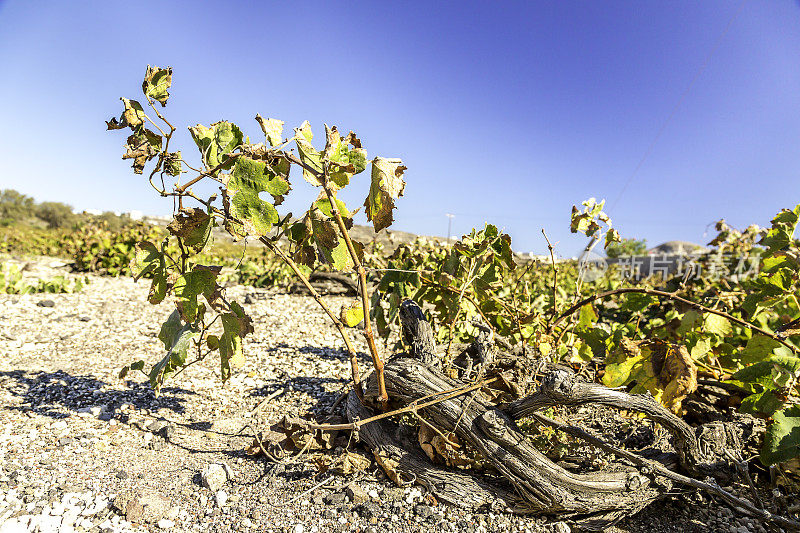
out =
column 193, row 225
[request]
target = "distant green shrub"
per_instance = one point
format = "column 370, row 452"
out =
column 56, row 215
column 12, row 282
column 627, row 247
column 96, row 248
column 15, row 206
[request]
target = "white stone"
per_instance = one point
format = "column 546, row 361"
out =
column 221, row 498
column 165, row 523
column 298, row 528
column 214, row 476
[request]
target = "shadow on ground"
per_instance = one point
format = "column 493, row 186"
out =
column 57, row 394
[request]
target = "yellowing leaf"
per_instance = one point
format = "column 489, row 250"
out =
column 387, row 185
column 718, row 325
column 272, row 128
column 353, row 315
column 665, row 370
column 156, row 83
column 310, row 156
column 193, row 225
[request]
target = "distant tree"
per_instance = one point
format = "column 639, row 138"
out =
column 56, row 214
column 115, row 222
column 627, row 247
column 15, row 206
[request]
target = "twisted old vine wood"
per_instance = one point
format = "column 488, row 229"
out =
column 538, row 485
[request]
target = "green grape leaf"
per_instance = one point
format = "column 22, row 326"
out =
column 132, row 116
column 618, row 373
column 782, row 439
column 759, row 348
column 193, row 226
column 156, row 84
column 771, row 373
column 698, row 346
column 272, row 128
column 587, row 316
column 344, row 161
column 612, row 235
column 212, row 341
column 149, row 260
column 230, row 345
column 387, row 185
column 690, row 321
column 310, row 156
column 779, row 260
column 761, row 404
column 635, row 302
column 352, row 315
column 235, row 326
column 717, row 325
column 217, row 141
column 172, row 163
column 339, row 256
column 782, row 231
column 177, row 337
column 200, row 281
column 248, row 179
column 142, row 147
column 169, row 329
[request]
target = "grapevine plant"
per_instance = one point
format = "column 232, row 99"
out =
column 205, row 321
column 659, row 335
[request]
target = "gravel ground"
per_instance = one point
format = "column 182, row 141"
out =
column 81, row 450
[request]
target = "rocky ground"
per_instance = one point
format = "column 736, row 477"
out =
column 82, row 450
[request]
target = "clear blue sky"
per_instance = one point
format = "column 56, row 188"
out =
column 507, row 112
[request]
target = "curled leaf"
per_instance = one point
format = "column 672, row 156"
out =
column 217, row 141
column 156, row 83
column 344, row 161
column 272, row 128
column 142, row 147
column 193, row 226
column 387, row 185
column 310, row 156
column 132, row 116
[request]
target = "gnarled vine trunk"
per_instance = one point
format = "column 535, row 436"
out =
column 528, row 482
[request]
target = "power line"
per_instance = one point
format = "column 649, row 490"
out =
column 678, row 105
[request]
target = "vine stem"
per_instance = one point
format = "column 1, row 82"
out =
column 377, row 362
column 338, row 323
column 555, row 273
column 675, row 297
column 413, row 407
column 210, row 172
column 362, row 286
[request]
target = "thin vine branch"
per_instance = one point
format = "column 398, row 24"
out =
column 338, row 323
